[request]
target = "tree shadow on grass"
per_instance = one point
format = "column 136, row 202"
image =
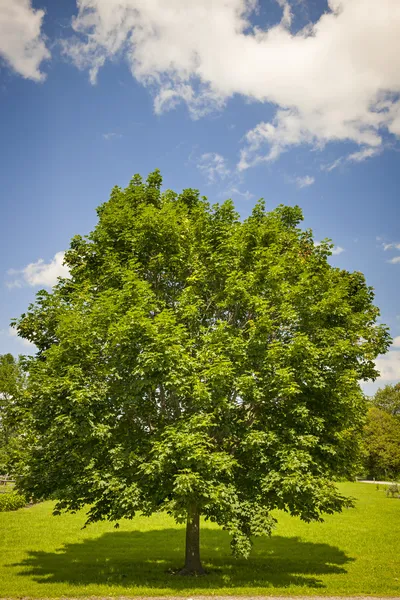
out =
column 135, row 559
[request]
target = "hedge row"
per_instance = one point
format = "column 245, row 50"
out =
column 11, row 501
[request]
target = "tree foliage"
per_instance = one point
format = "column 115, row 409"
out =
column 11, row 387
column 382, row 434
column 382, row 444
column 388, row 399
column 198, row 364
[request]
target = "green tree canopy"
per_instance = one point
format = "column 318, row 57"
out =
column 198, row 364
column 11, row 386
column 382, row 444
column 388, row 399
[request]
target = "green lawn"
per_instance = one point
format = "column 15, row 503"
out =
column 354, row 553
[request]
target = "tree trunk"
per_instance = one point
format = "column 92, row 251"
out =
column 192, row 557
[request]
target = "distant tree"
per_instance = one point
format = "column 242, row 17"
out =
column 382, row 445
column 388, row 399
column 11, row 385
column 198, row 364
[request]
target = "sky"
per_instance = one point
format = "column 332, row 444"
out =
column 294, row 101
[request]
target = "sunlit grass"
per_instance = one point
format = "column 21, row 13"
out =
column 353, row 553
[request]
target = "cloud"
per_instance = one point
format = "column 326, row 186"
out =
column 355, row 157
column 337, row 250
column 14, row 334
column 338, row 79
column 389, row 366
column 330, row 167
column 213, row 166
column 306, row 181
column 391, row 246
column 22, row 43
column 40, row 273
column 111, row 136
column 363, row 154
column 234, row 191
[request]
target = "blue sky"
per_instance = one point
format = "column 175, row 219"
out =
column 293, row 101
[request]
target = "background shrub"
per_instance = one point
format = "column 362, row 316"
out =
column 11, row 501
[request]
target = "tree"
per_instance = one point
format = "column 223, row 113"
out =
column 11, row 385
column 200, row 365
column 388, row 399
column 382, row 444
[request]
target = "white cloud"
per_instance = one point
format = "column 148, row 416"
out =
column 22, row 43
column 355, row 157
column 305, row 181
column 234, row 191
column 338, row 79
column 363, row 154
column 111, row 136
column 286, row 13
column 391, row 246
column 14, row 334
column 389, row 366
column 40, row 273
column 330, row 167
column 213, row 166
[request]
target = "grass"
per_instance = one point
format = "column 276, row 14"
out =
column 353, row 553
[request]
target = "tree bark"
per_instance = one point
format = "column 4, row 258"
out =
column 193, row 564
